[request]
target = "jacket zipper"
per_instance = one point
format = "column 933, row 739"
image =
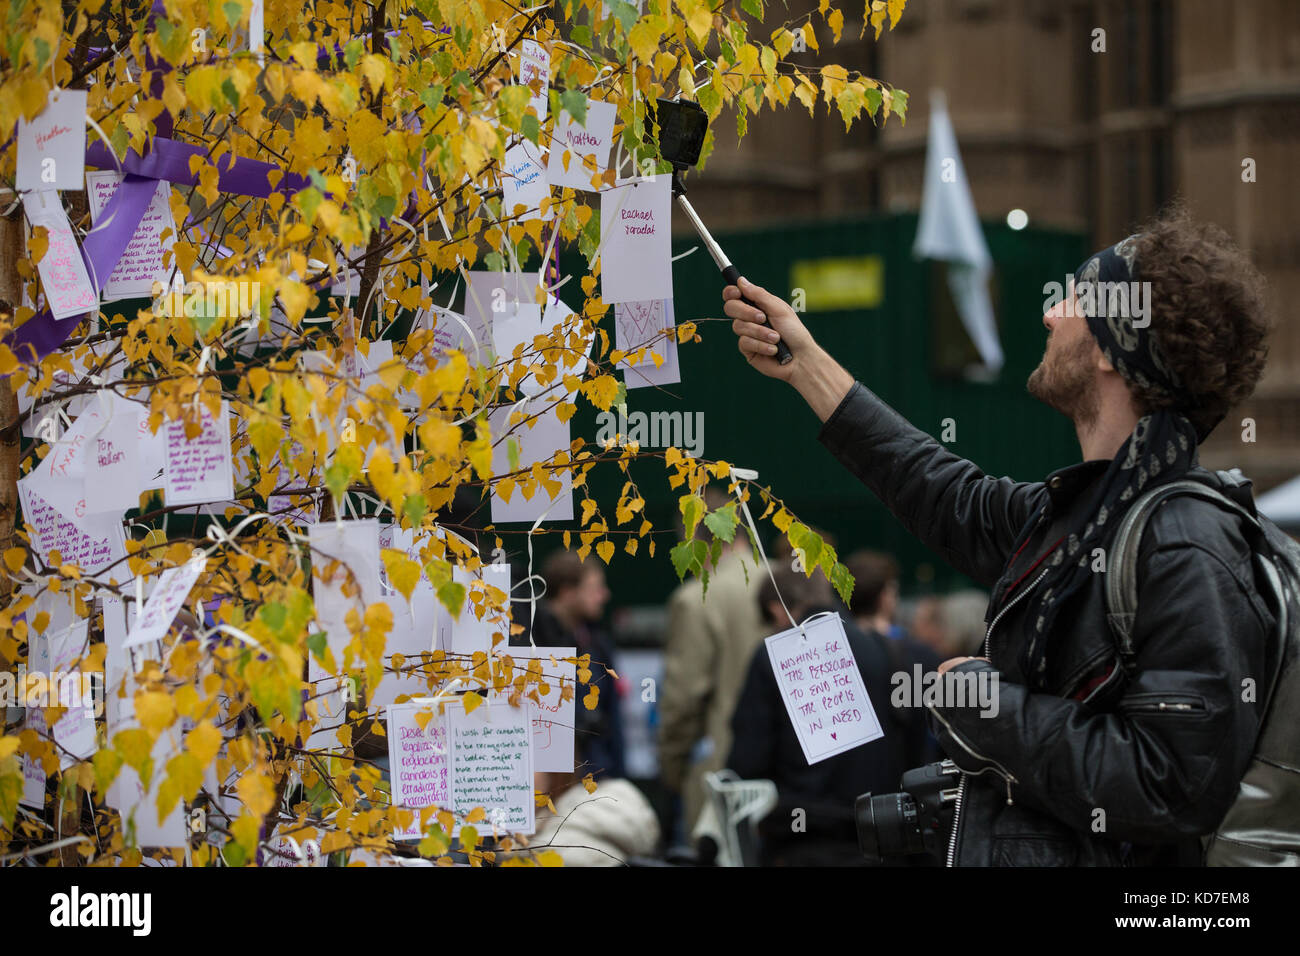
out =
column 961, row 786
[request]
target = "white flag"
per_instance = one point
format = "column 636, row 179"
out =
column 950, row 231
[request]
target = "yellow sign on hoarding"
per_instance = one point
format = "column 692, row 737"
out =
column 844, row 282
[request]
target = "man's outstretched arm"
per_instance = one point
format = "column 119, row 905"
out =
column 946, row 501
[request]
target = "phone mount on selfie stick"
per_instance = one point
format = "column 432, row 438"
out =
column 682, row 127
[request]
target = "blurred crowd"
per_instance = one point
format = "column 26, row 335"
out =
column 719, row 715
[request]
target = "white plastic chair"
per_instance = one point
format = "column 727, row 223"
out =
column 736, row 803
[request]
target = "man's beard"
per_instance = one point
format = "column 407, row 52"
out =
column 1068, row 385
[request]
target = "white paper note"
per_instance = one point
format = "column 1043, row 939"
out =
column 418, row 762
column 473, row 633
column 139, row 804
column 199, row 469
column 637, row 325
column 540, row 443
column 524, row 185
column 553, row 718
column 535, row 64
column 415, row 626
column 495, row 296
column 822, row 689
column 491, row 763
column 635, row 246
column 64, row 278
column 579, row 140
column 141, row 264
column 92, row 542
column 354, row 545
column 114, row 476
column 169, row 594
column 52, row 147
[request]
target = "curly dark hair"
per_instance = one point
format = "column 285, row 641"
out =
column 1208, row 315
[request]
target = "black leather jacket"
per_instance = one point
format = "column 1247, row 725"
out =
column 1085, row 764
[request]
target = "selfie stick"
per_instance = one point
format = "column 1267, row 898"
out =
column 729, row 271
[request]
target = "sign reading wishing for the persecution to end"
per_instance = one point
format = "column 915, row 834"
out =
column 822, row 689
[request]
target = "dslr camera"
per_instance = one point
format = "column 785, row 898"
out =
column 914, row 820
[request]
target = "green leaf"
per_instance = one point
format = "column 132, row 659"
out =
column 842, row 581
column 511, row 103
column 308, row 201
column 710, row 100
column 512, row 453
column 753, row 7
column 723, row 522
column 452, row 596
column 531, row 128
column 809, row 542
column 693, row 509
column 689, row 556
column 574, row 102
column 414, row 507
column 11, row 789
column 624, row 12
column 316, row 643
column 233, row 11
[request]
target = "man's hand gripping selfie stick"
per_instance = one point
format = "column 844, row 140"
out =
column 729, row 271
column 682, row 127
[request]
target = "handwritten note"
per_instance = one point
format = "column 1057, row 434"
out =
column 523, row 184
column 418, row 762
column 553, row 717
column 92, row 542
column 535, row 64
column 636, row 250
column 165, row 602
column 822, row 689
column 199, row 469
column 638, row 325
column 52, row 147
column 573, row 141
column 141, row 264
column 491, row 763
column 64, row 278
column 114, row 476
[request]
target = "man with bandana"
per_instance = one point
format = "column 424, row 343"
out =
column 1086, row 761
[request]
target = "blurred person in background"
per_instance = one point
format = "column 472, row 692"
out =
column 874, row 604
column 964, row 611
column 765, row 747
column 569, row 616
column 604, row 827
column 709, row 643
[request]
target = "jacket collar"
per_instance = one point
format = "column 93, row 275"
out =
column 1065, row 484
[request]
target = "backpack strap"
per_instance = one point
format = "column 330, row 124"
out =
column 1121, row 568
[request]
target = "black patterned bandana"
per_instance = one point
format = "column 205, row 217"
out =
column 1112, row 297
column 1162, row 447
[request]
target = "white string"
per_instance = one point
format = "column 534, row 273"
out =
column 758, row 543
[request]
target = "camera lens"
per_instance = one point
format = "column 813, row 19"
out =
column 887, row 825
